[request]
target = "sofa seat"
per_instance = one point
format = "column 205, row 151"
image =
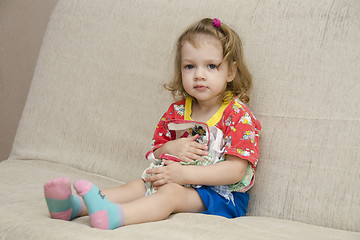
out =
column 27, row 216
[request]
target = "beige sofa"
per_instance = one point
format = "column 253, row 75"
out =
column 97, row 95
column 22, row 27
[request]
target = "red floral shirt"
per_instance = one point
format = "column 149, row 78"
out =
column 240, row 127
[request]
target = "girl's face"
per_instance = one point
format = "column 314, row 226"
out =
column 202, row 77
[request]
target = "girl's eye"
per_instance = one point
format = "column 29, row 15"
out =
column 189, row 67
column 212, row 66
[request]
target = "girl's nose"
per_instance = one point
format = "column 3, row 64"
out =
column 199, row 74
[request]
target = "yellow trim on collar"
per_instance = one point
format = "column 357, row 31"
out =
column 213, row 120
column 188, row 104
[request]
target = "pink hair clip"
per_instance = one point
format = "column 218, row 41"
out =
column 216, row 23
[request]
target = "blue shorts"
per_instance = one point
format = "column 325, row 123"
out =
column 218, row 205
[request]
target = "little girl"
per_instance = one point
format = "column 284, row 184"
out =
column 205, row 147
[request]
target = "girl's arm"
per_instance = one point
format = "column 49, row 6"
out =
column 227, row 172
column 186, row 149
column 223, row 173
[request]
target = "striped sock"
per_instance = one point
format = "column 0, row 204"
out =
column 61, row 203
column 103, row 213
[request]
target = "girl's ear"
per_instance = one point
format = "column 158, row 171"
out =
column 232, row 71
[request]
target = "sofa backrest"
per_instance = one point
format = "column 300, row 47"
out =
column 97, row 95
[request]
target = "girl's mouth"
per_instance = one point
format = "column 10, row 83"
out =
column 200, row 87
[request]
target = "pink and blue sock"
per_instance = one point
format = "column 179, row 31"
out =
column 103, row 213
column 61, row 203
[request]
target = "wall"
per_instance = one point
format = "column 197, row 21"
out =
column 22, row 27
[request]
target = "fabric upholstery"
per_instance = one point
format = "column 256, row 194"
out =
column 97, row 96
column 24, row 214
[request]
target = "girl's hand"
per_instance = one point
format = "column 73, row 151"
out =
column 170, row 173
column 186, row 149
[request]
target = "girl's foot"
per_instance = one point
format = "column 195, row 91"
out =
column 61, row 203
column 103, row 213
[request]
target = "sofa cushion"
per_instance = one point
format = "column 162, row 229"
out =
column 25, row 216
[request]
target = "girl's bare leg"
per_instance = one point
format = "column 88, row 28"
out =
column 128, row 192
column 170, row 198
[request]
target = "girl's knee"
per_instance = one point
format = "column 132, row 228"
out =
column 185, row 199
column 171, row 188
column 174, row 186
